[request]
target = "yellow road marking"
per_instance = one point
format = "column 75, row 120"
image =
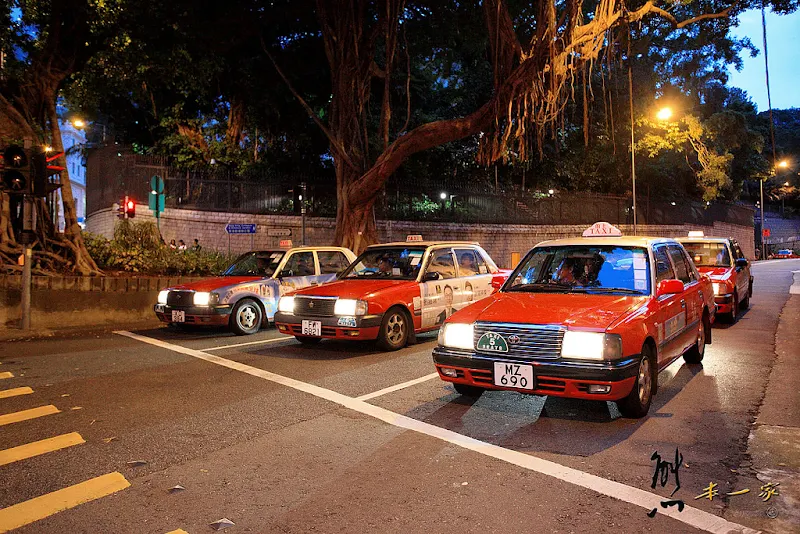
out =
column 6, row 393
column 38, row 508
column 179, row 531
column 6, row 375
column 36, row 448
column 24, row 415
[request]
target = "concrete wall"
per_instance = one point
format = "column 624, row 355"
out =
column 499, row 240
column 64, row 301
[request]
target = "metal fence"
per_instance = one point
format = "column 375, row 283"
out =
column 113, row 173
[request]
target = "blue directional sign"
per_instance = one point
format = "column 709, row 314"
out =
column 240, row 228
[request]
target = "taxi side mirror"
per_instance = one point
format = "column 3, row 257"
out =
column 669, row 287
column 497, row 282
column 430, row 276
column 741, row 263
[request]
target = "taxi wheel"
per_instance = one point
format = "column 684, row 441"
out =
column 393, row 334
column 465, row 390
column 245, row 317
column 637, row 403
column 695, row 354
column 746, row 300
column 731, row 317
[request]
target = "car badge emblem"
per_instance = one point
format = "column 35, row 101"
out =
column 311, row 304
column 513, row 339
column 492, row 342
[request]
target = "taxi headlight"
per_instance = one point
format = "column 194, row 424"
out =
column 350, row 307
column 591, row 346
column 721, row 288
column 286, row 305
column 716, row 288
column 162, row 296
column 203, row 298
column 457, row 336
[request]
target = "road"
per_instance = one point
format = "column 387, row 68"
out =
column 280, row 437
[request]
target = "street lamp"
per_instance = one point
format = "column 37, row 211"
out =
column 443, row 195
column 783, row 164
column 78, row 123
column 664, row 114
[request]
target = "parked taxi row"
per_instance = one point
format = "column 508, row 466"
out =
column 595, row 317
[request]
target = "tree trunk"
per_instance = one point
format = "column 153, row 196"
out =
column 72, row 231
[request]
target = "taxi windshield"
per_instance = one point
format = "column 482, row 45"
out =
column 392, row 263
column 258, row 263
column 706, row 254
column 583, row 269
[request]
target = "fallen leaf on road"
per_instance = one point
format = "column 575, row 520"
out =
column 109, row 440
column 65, row 395
column 176, row 489
column 222, row 524
column 204, row 470
column 137, row 463
column 77, row 408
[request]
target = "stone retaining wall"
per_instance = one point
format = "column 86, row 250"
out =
column 499, row 240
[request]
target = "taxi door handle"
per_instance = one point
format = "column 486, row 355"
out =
column 683, row 303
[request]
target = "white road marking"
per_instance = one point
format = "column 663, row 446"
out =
column 397, row 387
column 262, row 342
column 690, row 516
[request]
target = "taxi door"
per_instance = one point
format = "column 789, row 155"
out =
column 671, row 311
column 475, row 277
column 692, row 299
column 742, row 274
column 439, row 296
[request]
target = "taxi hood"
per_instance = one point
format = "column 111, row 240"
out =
column 210, row 284
column 576, row 310
column 353, row 288
column 715, row 273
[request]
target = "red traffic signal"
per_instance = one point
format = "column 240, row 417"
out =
column 127, row 208
column 130, row 209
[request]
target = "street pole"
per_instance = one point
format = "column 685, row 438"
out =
column 303, row 210
column 763, row 245
column 26, row 286
column 633, row 148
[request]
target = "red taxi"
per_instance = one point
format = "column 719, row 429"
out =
column 590, row 318
column 723, row 261
column 391, row 292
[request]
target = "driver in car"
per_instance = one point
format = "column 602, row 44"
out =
column 385, row 265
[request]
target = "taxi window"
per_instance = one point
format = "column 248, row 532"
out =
column 395, row 263
column 708, row 254
column 331, row 261
column 300, row 264
column 470, row 263
column 737, row 252
column 582, row 268
column 261, row 263
column 664, row 269
column 442, row 263
column 681, row 269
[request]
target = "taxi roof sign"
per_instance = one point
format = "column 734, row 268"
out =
column 413, row 237
column 286, row 243
column 602, row 229
column 696, row 233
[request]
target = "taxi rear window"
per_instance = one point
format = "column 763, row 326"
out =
column 583, row 269
column 706, row 254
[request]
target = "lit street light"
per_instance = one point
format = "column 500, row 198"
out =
column 783, row 164
column 664, row 114
column 78, row 123
column 443, row 196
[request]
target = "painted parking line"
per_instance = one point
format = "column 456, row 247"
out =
column 262, row 342
column 38, row 508
column 6, row 393
column 690, row 516
column 6, row 374
column 179, row 531
column 29, row 450
column 24, row 415
column 397, row 387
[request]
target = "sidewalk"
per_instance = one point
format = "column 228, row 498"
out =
column 774, row 441
column 15, row 334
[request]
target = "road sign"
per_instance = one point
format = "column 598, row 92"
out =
column 232, row 228
column 766, row 232
column 156, row 202
column 279, row 232
column 157, row 184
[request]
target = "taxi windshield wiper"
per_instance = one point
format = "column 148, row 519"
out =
column 541, row 286
column 612, row 290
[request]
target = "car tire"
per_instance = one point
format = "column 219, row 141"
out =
column 745, row 304
column 246, row 317
column 698, row 350
column 466, row 390
column 305, row 340
column 637, row 403
column 393, row 334
column 730, row 318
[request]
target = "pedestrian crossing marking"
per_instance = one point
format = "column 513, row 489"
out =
column 24, row 415
column 29, row 450
column 6, row 393
column 6, row 374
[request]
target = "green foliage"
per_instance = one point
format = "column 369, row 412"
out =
column 138, row 248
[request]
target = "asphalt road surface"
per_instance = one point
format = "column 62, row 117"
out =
column 339, row 437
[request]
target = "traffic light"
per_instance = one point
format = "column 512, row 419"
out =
column 123, row 204
column 16, row 172
column 41, row 170
column 130, row 208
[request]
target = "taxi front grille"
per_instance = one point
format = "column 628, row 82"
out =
column 525, row 341
column 315, row 306
column 180, row 298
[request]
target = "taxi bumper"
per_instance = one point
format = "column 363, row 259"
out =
column 724, row 303
column 612, row 380
column 195, row 315
column 365, row 327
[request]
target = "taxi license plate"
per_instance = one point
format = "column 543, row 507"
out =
column 312, row 328
column 513, row 375
column 178, row 316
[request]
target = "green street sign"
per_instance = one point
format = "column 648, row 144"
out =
column 491, row 342
column 156, row 202
column 157, row 184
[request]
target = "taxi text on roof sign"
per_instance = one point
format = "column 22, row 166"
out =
column 696, row 233
column 414, row 237
column 602, row 229
column 286, row 243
